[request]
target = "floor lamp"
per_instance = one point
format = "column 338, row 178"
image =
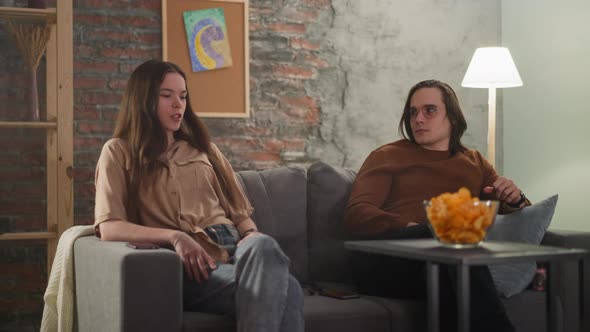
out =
column 491, row 68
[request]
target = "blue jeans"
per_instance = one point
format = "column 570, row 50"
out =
column 256, row 288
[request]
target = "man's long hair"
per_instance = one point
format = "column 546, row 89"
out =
column 454, row 113
column 138, row 124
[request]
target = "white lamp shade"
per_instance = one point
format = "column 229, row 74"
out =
column 491, row 67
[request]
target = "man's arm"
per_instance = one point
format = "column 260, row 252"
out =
column 363, row 215
column 506, row 191
column 502, row 189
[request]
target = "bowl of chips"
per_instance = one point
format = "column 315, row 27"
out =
column 458, row 220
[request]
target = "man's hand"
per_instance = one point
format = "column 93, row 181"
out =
column 504, row 190
column 195, row 259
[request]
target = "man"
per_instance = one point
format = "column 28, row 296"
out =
column 386, row 201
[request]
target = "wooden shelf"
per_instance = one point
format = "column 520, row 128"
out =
column 15, row 124
column 49, row 14
column 28, row 236
column 59, row 132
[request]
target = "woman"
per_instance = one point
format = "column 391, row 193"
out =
column 160, row 180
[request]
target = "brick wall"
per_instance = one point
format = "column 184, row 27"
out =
column 284, row 58
column 110, row 39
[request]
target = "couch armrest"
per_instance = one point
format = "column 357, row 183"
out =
column 567, row 239
column 123, row 289
column 566, row 276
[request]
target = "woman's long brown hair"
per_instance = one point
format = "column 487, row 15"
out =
column 138, row 124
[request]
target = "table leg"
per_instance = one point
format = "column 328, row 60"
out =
column 463, row 314
column 433, row 296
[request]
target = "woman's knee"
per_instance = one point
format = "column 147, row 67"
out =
column 265, row 246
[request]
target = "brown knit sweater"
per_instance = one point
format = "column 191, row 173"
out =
column 394, row 180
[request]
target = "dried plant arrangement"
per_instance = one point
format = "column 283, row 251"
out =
column 31, row 39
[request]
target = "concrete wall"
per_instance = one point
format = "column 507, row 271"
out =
column 546, row 121
column 382, row 48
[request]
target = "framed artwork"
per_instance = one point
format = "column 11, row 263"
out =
column 208, row 39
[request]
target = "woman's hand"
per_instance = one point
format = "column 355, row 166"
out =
column 195, row 259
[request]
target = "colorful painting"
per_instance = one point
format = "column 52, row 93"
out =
column 207, row 39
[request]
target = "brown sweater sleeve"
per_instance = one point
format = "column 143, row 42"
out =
column 490, row 176
column 371, row 188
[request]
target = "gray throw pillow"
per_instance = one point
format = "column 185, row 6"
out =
column 328, row 188
column 279, row 199
column 525, row 226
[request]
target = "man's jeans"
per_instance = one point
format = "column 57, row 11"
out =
column 257, row 288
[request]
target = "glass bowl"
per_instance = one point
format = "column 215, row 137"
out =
column 460, row 224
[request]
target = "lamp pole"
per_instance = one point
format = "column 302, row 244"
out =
column 492, row 125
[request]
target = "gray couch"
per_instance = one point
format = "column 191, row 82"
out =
column 121, row 289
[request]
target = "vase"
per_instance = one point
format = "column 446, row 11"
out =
column 33, row 96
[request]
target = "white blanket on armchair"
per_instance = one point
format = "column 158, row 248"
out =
column 58, row 313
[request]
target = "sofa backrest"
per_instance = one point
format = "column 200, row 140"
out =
column 279, row 198
column 304, row 213
column 328, row 188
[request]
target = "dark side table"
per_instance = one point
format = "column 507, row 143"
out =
column 491, row 252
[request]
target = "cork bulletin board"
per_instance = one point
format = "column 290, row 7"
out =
column 222, row 92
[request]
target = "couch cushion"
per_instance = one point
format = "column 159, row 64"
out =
column 327, row 314
column 279, row 199
column 321, row 314
column 525, row 226
column 202, row 322
column 406, row 315
column 328, row 189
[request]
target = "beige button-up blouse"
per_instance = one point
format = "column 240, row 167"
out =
column 185, row 195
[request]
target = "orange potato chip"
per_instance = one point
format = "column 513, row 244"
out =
column 460, row 218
